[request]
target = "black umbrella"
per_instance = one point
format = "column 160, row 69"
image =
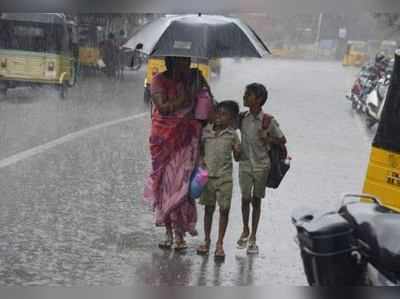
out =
column 204, row 36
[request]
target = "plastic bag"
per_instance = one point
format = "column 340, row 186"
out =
column 198, row 181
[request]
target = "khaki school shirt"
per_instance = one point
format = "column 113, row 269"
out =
column 253, row 152
column 218, row 150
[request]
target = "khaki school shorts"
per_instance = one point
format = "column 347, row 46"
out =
column 217, row 190
column 253, row 183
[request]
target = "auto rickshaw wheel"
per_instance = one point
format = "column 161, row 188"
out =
column 72, row 80
column 63, row 89
column 3, row 93
column 147, row 96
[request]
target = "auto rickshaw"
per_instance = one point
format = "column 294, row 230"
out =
column 156, row 65
column 36, row 49
column 356, row 53
column 91, row 37
column 359, row 243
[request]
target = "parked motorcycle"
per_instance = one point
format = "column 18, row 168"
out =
column 357, row 245
column 375, row 101
column 363, row 85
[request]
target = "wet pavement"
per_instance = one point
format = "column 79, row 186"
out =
column 72, row 214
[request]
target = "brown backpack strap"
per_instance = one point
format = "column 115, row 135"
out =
column 266, row 121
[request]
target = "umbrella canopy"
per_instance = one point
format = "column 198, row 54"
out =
column 52, row 18
column 205, row 36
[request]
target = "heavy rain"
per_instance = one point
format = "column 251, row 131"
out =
column 75, row 121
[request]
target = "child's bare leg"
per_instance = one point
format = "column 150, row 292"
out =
column 208, row 217
column 223, row 224
column 245, row 217
column 256, row 203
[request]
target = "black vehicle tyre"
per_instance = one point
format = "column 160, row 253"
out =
column 3, row 93
column 73, row 79
column 146, row 96
column 359, row 108
column 63, row 89
column 370, row 122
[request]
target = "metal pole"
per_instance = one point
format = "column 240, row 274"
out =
column 319, row 28
column 317, row 38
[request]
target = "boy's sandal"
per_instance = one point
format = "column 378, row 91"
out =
column 180, row 245
column 203, row 249
column 253, row 248
column 166, row 244
column 219, row 253
column 242, row 242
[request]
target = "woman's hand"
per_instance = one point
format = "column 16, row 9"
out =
column 181, row 96
column 167, row 108
column 203, row 163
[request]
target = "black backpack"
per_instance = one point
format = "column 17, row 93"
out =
column 280, row 162
column 278, row 155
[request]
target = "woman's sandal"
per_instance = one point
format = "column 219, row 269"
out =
column 219, row 253
column 180, row 245
column 166, row 244
column 203, row 249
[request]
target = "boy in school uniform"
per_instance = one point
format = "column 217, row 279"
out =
column 258, row 131
column 219, row 142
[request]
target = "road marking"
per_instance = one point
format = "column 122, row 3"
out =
column 44, row 147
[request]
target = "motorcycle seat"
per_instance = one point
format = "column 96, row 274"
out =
column 378, row 229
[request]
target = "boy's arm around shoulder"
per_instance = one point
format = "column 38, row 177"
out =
column 236, row 147
column 202, row 149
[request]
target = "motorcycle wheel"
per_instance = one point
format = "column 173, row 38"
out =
column 364, row 108
column 370, row 122
column 359, row 107
column 353, row 104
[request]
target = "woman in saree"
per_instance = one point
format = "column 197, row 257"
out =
column 174, row 149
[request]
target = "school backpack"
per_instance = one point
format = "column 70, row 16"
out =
column 280, row 161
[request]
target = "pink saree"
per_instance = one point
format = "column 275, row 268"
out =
column 174, row 149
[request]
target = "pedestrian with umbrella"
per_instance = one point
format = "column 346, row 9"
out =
column 175, row 134
column 174, row 149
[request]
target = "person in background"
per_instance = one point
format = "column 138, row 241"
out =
column 110, row 53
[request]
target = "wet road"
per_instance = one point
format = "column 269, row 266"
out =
column 72, row 212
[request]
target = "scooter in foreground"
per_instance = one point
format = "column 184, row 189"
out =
column 357, row 245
